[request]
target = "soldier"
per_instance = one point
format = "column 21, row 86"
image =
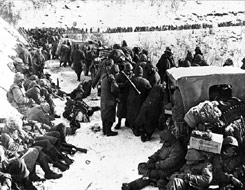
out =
column 150, row 111
column 135, row 100
column 228, row 166
column 77, row 58
column 165, row 62
column 163, row 163
column 123, row 93
column 196, row 173
column 151, row 74
column 16, row 97
column 109, row 94
column 38, row 63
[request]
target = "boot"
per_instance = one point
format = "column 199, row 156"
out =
column 42, row 160
column 118, row 125
column 60, row 165
column 130, row 186
column 33, row 176
column 28, row 185
column 108, row 130
column 67, row 160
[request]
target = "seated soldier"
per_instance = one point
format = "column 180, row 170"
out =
column 50, row 141
column 229, row 165
column 17, row 98
column 195, row 174
column 168, row 159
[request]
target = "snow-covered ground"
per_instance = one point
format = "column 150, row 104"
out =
column 110, row 161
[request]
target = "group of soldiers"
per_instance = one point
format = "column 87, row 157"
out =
column 133, row 89
column 32, row 138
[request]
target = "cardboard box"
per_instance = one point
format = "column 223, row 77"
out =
column 213, row 145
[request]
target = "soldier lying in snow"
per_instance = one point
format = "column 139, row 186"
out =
column 78, row 111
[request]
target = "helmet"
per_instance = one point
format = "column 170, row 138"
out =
column 109, row 62
column 114, row 69
column 33, row 77
column 45, row 106
column 229, row 140
column 18, row 77
column 128, row 67
column 138, row 71
column 143, row 58
column 14, row 122
column 166, row 136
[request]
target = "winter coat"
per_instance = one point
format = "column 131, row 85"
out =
column 109, row 93
column 197, row 175
column 65, row 53
column 38, row 63
column 151, row 109
column 17, row 99
column 135, row 100
column 164, row 63
column 99, row 74
column 26, row 56
column 154, row 78
column 35, row 94
column 38, row 114
column 224, row 167
column 167, row 158
column 77, row 59
column 123, row 96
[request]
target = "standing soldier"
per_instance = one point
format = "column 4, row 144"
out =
column 165, row 62
column 109, row 93
column 77, row 59
column 123, row 94
column 136, row 99
column 151, row 74
column 38, row 63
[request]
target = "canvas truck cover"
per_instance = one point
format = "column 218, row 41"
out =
column 194, row 82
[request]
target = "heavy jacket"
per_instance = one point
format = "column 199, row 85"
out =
column 198, row 176
column 17, row 99
column 123, row 96
column 135, row 100
column 154, row 78
column 167, row 158
column 77, row 57
column 26, row 56
column 38, row 114
column 164, row 63
column 109, row 93
column 38, row 63
column 224, row 167
column 151, row 109
column 35, row 94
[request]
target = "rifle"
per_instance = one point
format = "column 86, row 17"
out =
column 131, row 83
column 67, row 145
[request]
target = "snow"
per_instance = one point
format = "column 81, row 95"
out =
column 110, row 161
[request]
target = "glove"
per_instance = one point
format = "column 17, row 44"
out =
column 236, row 182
